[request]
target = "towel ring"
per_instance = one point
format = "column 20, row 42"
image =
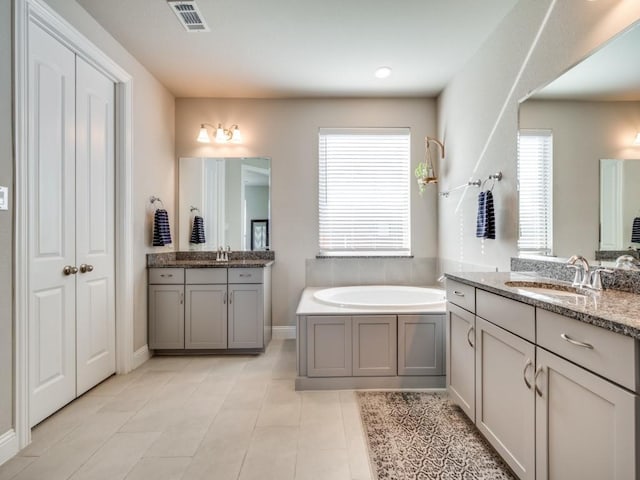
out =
column 155, row 199
column 192, row 209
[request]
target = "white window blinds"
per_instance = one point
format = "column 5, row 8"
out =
column 535, row 154
column 364, row 191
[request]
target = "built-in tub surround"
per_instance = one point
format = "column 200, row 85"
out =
column 346, row 271
column 375, row 346
column 613, row 310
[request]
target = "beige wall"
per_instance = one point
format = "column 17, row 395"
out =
column 478, row 113
column 583, row 133
column 287, row 132
column 6, row 232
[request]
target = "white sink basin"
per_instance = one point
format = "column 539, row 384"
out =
column 546, row 288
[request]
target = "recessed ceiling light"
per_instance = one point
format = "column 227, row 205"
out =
column 383, row 72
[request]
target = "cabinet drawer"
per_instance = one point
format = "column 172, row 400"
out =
column 516, row 317
column 166, row 275
column 202, row 276
column 606, row 353
column 245, row 275
column 461, row 294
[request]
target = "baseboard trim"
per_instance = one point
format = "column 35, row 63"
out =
column 140, row 356
column 284, row 332
column 8, row 446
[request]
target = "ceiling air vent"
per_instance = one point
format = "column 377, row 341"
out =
column 189, row 15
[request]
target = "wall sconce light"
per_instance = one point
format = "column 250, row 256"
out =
column 637, row 140
column 223, row 135
column 426, row 171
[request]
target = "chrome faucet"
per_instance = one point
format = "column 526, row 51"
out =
column 627, row 262
column 582, row 276
column 586, row 277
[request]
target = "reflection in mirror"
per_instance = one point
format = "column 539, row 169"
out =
column 619, row 204
column 593, row 113
column 228, row 193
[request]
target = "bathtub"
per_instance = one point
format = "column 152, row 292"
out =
column 370, row 337
column 375, row 297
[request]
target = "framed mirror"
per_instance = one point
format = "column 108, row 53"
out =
column 593, row 114
column 228, row 194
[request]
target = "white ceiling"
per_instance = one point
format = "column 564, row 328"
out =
column 298, row 48
column 611, row 73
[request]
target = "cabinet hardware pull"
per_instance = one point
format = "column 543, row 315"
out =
column 524, row 373
column 230, row 298
column 69, row 270
column 539, row 370
column 181, row 298
column 84, row 268
column 566, row 337
column 458, row 293
column 245, row 275
column 468, row 332
column 224, row 298
column 167, row 275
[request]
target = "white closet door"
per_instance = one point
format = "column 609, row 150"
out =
column 51, row 211
column 95, row 318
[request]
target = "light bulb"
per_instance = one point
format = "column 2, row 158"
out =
column 203, row 136
column 236, row 136
column 221, row 137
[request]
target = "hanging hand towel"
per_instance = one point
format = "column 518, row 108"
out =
column 197, row 230
column 161, row 231
column 486, row 223
column 635, row 230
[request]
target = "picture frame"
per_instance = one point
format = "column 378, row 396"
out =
column 259, row 234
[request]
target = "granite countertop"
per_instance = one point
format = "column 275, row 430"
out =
column 247, row 263
column 207, row 259
column 614, row 310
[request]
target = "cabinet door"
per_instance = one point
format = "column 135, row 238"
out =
column 505, row 398
column 205, row 316
column 375, row 346
column 585, row 425
column 329, row 346
column 421, row 345
column 460, row 334
column 246, row 316
column 166, row 316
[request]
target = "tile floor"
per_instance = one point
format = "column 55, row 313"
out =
column 203, row 417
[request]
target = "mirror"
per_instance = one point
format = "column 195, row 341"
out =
column 593, row 112
column 232, row 196
column 619, row 204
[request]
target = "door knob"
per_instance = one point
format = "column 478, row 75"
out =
column 69, row 270
column 84, row 268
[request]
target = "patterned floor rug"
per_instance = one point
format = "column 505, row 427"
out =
column 424, row 436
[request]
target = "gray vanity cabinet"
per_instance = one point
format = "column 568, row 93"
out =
column 421, row 345
column 166, row 308
column 505, row 398
column 206, row 308
column 246, row 308
column 460, row 346
column 585, row 425
column 209, row 308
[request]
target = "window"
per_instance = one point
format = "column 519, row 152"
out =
column 535, row 153
column 364, row 191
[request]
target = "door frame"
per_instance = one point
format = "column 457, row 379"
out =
column 40, row 13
